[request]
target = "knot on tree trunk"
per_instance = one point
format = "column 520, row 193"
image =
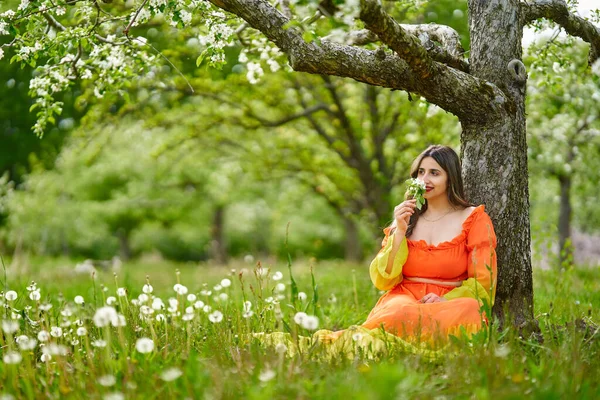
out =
column 517, row 71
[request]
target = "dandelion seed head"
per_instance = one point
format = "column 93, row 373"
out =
column 145, row 310
column 119, row 321
column 74, row 342
column 111, row 300
column 247, row 305
column 173, row 303
column 277, row 276
column 217, row 288
column 66, row 312
column 299, row 317
column 12, row 357
column 56, row 331
column 269, row 300
column 187, row 317
column 114, row 396
column 206, row 293
column 280, row 287
column 180, row 289
column 502, row 351
column 147, row 288
column 26, row 343
column 99, row 343
column 215, row 317
column 45, row 357
column 43, row 336
column 207, row 308
column 135, row 302
column 143, row 297
column 79, row 300
column 9, row 326
column 157, row 304
column 32, row 287
column 357, row 336
column 45, row 307
column 121, row 292
column 310, row 323
column 302, row 296
column 189, row 310
column 266, row 375
column 104, row 316
column 191, row 297
column 223, row 296
column 170, row 374
column 107, row 380
column 55, row 349
column 332, row 298
column 35, row 295
column 144, row 345
column 280, row 348
column 225, row 283
column 160, row 317
column 11, row 295
column 198, row 304
column 81, row 331
column 247, row 314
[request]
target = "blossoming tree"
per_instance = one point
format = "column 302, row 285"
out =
column 73, row 40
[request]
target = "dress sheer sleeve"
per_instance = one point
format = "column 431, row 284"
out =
column 482, row 265
column 380, row 278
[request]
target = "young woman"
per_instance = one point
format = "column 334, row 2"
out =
column 438, row 263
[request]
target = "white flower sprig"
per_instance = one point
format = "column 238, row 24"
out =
column 415, row 188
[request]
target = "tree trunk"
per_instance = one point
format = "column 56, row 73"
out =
column 217, row 243
column 353, row 249
column 564, row 221
column 494, row 154
column 124, row 245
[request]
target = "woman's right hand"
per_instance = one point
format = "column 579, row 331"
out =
column 402, row 213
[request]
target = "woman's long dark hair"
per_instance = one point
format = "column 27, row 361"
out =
column 449, row 161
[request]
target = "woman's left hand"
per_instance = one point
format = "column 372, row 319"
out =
column 432, row 298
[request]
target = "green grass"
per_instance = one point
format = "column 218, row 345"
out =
column 219, row 360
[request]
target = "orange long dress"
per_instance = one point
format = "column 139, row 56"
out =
column 408, row 324
column 470, row 258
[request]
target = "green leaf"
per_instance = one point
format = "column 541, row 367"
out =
column 201, row 58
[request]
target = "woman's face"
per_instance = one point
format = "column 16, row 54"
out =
column 434, row 176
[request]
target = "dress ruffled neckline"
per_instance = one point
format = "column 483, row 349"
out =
column 461, row 237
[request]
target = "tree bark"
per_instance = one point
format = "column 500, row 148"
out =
column 565, row 249
column 494, row 154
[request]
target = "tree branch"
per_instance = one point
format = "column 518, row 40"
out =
column 450, row 52
column 558, row 12
column 469, row 98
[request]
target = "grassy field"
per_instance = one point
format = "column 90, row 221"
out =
column 199, row 346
